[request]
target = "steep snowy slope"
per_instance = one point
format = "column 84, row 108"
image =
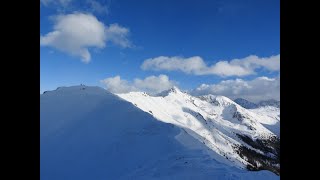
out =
column 87, row 133
column 269, row 117
column 222, row 125
column 268, row 112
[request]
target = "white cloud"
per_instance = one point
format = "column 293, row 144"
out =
column 75, row 33
column 117, row 85
column 154, row 84
column 93, row 6
column 190, row 65
column 96, row 6
column 63, row 3
column 261, row 88
column 118, row 35
column 151, row 84
column 196, row 65
column 271, row 63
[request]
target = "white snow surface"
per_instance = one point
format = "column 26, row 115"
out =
column 88, row 133
column 269, row 117
column 213, row 120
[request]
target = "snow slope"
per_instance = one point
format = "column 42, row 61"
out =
column 269, row 112
column 269, row 117
column 216, row 121
column 87, row 133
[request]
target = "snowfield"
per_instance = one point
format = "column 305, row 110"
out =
column 269, row 117
column 87, row 133
column 215, row 121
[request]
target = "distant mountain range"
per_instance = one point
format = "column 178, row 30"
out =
column 250, row 105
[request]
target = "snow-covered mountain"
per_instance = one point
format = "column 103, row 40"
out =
column 270, row 102
column 269, row 112
column 88, row 133
column 250, row 105
column 269, row 117
column 246, row 138
column 245, row 103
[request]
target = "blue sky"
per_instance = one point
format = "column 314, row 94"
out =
column 134, row 31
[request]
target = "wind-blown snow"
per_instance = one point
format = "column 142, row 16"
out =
column 88, row 133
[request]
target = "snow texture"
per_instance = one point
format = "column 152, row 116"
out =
column 213, row 120
column 87, row 133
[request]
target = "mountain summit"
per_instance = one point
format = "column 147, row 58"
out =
column 174, row 90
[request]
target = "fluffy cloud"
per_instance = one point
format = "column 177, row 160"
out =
column 118, row 85
column 118, row 35
column 75, row 33
column 151, row 84
column 196, row 65
column 154, row 84
column 261, row 88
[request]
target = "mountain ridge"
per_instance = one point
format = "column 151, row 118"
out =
column 237, row 129
column 250, row 105
column 90, row 133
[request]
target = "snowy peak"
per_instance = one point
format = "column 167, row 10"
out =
column 217, row 100
column 79, row 89
column 173, row 90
